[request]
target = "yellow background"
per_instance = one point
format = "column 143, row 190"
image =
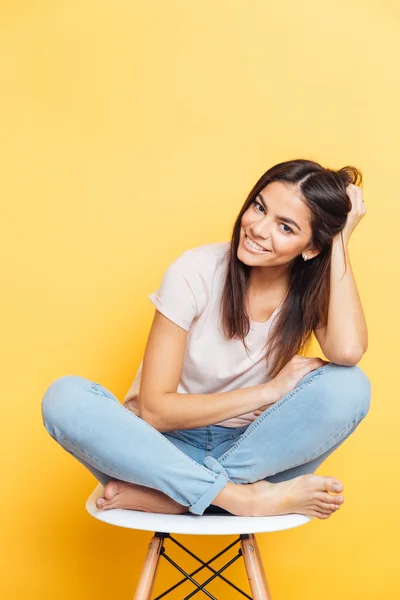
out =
column 129, row 132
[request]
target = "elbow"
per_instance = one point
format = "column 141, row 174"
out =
column 149, row 418
column 350, row 357
column 147, row 415
column 154, row 420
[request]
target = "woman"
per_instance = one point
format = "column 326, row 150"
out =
column 221, row 425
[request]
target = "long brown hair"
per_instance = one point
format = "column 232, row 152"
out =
column 306, row 304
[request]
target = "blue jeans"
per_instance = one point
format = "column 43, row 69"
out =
column 290, row 438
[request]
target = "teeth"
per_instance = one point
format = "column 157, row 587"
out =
column 254, row 245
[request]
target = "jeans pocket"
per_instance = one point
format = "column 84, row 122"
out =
column 230, row 433
column 177, row 434
column 195, row 437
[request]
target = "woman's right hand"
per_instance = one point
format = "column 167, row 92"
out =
column 289, row 376
column 293, row 371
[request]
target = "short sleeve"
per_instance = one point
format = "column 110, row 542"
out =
column 182, row 294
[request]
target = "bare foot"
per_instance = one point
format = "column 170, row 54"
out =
column 306, row 495
column 121, row 494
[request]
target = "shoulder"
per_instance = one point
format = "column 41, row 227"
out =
column 197, row 267
column 208, row 256
column 188, row 282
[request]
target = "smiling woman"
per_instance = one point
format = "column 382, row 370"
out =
column 293, row 212
column 209, row 410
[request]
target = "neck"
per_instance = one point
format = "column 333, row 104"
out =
column 267, row 279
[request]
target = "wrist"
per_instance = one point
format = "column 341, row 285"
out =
column 337, row 242
column 271, row 392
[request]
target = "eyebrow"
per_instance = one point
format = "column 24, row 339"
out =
column 286, row 219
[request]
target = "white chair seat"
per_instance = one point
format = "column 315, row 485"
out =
column 188, row 523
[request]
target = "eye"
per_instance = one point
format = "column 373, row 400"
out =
column 258, row 205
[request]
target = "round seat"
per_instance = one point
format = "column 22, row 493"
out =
column 188, row 523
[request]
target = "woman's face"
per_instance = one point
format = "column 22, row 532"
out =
column 269, row 221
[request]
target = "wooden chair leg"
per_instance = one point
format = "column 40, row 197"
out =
column 254, row 568
column 149, row 570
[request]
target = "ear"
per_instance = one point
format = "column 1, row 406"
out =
column 311, row 252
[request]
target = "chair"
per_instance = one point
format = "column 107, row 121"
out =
column 207, row 524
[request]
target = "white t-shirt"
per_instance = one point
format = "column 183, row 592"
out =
column 190, row 296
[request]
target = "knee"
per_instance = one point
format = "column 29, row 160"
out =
column 58, row 401
column 350, row 391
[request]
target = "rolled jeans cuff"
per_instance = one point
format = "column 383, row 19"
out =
column 205, row 500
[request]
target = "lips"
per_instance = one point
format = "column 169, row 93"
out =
column 250, row 238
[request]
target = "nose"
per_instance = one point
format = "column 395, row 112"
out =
column 261, row 228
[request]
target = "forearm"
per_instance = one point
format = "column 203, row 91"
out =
column 189, row 411
column 346, row 327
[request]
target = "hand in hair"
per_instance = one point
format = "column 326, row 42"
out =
column 357, row 212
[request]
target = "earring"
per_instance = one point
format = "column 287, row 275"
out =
column 305, row 257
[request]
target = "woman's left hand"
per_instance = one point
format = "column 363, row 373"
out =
column 357, row 212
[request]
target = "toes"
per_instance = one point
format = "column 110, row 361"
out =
column 111, row 505
column 111, row 489
column 103, row 504
column 322, row 506
column 329, row 499
column 100, row 503
column 333, row 485
column 320, row 515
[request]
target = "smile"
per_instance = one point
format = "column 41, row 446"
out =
column 253, row 247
